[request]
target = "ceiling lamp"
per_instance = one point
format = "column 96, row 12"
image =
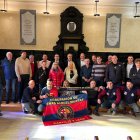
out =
column 46, row 12
column 96, row 14
column 136, row 15
column 4, row 7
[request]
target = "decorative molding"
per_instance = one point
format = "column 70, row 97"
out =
column 113, row 30
column 27, row 27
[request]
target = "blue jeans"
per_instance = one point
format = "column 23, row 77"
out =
column 1, row 91
column 40, row 108
column 133, row 106
column 11, row 82
column 27, row 107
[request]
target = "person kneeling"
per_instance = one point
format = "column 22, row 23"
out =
column 130, row 95
column 47, row 92
column 29, row 98
column 113, row 97
column 92, row 98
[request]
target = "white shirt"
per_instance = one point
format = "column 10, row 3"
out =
column 47, row 63
column 128, row 68
column 138, row 69
column 82, row 63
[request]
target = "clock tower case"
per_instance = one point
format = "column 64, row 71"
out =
column 71, row 38
column 71, row 23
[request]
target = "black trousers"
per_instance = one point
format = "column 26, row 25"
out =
column 22, row 85
column 93, row 102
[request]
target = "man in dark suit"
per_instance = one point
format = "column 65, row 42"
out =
column 80, row 63
column 135, row 73
column 69, row 59
column 115, row 72
column 58, row 60
column 128, row 65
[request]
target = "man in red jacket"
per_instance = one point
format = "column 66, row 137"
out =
column 113, row 97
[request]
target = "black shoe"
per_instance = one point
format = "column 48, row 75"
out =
column 96, row 113
column 40, row 113
column 132, row 113
column 33, row 112
column 7, row 102
column 14, row 101
column 1, row 114
column 124, row 112
column 89, row 112
column 26, row 112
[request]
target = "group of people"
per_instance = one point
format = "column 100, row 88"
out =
column 112, row 83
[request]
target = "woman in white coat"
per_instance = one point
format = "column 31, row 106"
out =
column 71, row 74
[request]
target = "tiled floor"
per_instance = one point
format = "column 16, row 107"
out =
column 15, row 125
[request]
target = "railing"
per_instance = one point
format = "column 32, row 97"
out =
column 74, row 88
column 95, row 138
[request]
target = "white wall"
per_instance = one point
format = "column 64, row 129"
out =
column 48, row 27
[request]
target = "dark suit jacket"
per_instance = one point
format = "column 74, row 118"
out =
column 135, row 76
column 125, row 65
column 2, row 79
column 116, row 75
column 35, row 70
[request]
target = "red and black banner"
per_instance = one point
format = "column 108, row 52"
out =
column 64, row 110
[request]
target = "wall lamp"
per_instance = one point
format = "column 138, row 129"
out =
column 96, row 14
column 46, row 12
column 136, row 14
column 4, row 7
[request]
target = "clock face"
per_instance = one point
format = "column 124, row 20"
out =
column 71, row 26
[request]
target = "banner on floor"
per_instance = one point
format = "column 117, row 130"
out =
column 65, row 110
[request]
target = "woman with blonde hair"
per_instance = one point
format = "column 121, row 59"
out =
column 71, row 74
column 66, row 93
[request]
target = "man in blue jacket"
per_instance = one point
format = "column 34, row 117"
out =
column 8, row 65
column 135, row 73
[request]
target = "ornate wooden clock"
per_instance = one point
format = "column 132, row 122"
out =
column 71, row 23
column 71, row 31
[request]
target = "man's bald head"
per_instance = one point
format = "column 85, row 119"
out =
column 31, row 84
